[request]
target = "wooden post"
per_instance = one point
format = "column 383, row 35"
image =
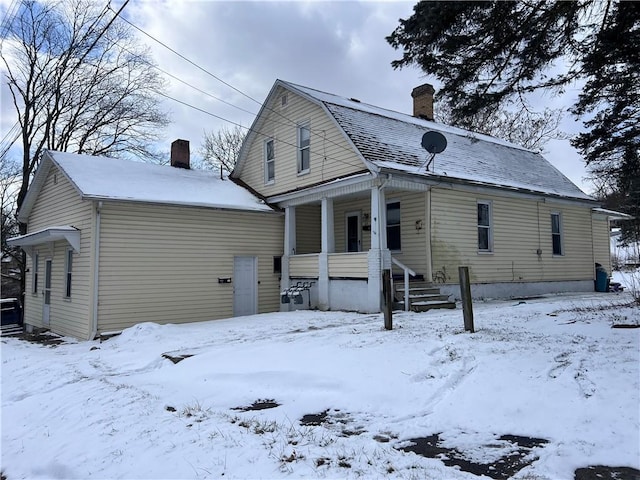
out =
column 465, row 293
column 388, row 303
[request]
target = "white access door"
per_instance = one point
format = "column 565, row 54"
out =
column 245, row 286
column 46, row 292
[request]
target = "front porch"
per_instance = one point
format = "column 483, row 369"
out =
column 338, row 236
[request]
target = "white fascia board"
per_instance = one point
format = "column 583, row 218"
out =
column 612, row 214
column 335, row 188
column 254, row 131
column 497, row 190
column 265, row 209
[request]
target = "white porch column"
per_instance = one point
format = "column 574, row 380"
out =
column 328, row 246
column 378, row 246
column 289, row 249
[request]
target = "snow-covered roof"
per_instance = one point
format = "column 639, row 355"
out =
column 392, row 141
column 103, row 178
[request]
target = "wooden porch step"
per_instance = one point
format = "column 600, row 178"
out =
column 423, row 296
column 419, row 291
column 427, row 297
column 431, row 305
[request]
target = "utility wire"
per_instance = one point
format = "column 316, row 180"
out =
column 257, row 132
column 292, row 122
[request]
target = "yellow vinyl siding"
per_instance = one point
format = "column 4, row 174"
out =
column 341, row 207
column 303, row 266
column 520, row 228
column 413, row 241
column 601, row 242
column 331, row 155
column 348, row 265
column 162, row 264
column 308, row 229
column 60, row 204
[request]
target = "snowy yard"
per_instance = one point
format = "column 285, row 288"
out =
column 349, row 395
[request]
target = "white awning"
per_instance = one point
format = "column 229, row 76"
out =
column 67, row 233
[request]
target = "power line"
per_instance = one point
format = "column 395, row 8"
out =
column 249, row 129
column 189, row 61
column 228, row 84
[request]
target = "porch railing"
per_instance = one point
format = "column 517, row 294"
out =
column 407, row 272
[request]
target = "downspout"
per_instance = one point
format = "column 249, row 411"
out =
column 96, row 271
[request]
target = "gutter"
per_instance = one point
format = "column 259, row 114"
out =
column 96, row 272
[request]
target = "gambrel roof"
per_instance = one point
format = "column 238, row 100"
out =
column 391, row 141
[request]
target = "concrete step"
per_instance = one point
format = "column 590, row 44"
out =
column 427, row 297
column 431, row 305
column 419, row 291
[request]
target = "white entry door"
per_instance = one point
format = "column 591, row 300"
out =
column 245, row 286
column 46, row 292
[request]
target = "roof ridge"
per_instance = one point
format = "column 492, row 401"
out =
column 355, row 104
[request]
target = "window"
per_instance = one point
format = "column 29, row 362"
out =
column 556, row 233
column 304, row 150
column 284, row 100
column 68, row 268
column 277, row 264
column 393, row 226
column 269, row 161
column 485, row 234
column 34, row 278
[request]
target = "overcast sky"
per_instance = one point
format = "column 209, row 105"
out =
column 337, row 47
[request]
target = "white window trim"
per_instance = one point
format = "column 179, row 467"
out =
column 560, row 234
column 267, row 180
column 489, row 251
column 68, row 273
column 34, row 276
column 386, row 217
column 306, row 124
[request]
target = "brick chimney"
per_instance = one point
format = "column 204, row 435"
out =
column 423, row 101
column 180, row 154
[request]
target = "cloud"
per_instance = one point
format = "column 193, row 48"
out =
column 338, row 47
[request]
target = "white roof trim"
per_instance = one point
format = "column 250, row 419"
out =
column 612, row 214
column 52, row 234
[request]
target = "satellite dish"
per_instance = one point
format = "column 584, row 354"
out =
column 434, row 142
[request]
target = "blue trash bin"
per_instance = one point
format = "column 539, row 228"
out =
column 602, row 278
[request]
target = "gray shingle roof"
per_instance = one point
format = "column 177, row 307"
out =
column 392, row 140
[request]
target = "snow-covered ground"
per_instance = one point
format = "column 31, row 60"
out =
column 551, row 368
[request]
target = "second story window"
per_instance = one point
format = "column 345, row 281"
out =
column 269, row 161
column 304, row 148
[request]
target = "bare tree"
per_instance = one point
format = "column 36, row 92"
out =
column 80, row 83
column 524, row 127
column 221, row 148
column 11, row 256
